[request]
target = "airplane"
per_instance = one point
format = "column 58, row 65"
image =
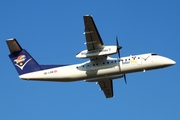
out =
column 100, row 67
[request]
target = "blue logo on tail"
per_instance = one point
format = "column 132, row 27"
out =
column 20, row 61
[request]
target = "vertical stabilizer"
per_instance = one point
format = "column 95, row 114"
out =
column 21, row 59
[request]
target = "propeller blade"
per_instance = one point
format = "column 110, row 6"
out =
column 118, row 47
column 117, row 41
column 118, row 53
column 125, row 78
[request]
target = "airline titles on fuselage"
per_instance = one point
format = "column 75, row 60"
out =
column 95, row 51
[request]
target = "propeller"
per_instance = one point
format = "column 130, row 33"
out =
column 125, row 78
column 118, row 51
column 118, row 47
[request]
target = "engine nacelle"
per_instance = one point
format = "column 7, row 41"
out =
column 107, row 50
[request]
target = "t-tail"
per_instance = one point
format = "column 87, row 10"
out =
column 21, row 59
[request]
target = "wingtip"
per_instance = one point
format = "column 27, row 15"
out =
column 88, row 15
column 10, row 39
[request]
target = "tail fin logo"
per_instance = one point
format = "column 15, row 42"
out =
column 20, row 61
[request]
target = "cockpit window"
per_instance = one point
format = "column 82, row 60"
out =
column 154, row 54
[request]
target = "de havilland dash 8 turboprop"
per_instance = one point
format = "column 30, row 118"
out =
column 99, row 68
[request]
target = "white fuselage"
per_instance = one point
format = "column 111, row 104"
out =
column 110, row 67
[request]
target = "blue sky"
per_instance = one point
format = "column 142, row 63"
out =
column 52, row 32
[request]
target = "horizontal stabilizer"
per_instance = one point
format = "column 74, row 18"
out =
column 13, row 45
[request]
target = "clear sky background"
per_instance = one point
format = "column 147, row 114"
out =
column 52, row 32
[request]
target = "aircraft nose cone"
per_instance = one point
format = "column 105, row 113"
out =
column 170, row 62
column 173, row 62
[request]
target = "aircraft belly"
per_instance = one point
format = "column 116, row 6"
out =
column 62, row 74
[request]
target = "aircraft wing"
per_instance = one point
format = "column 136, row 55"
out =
column 107, row 87
column 93, row 38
